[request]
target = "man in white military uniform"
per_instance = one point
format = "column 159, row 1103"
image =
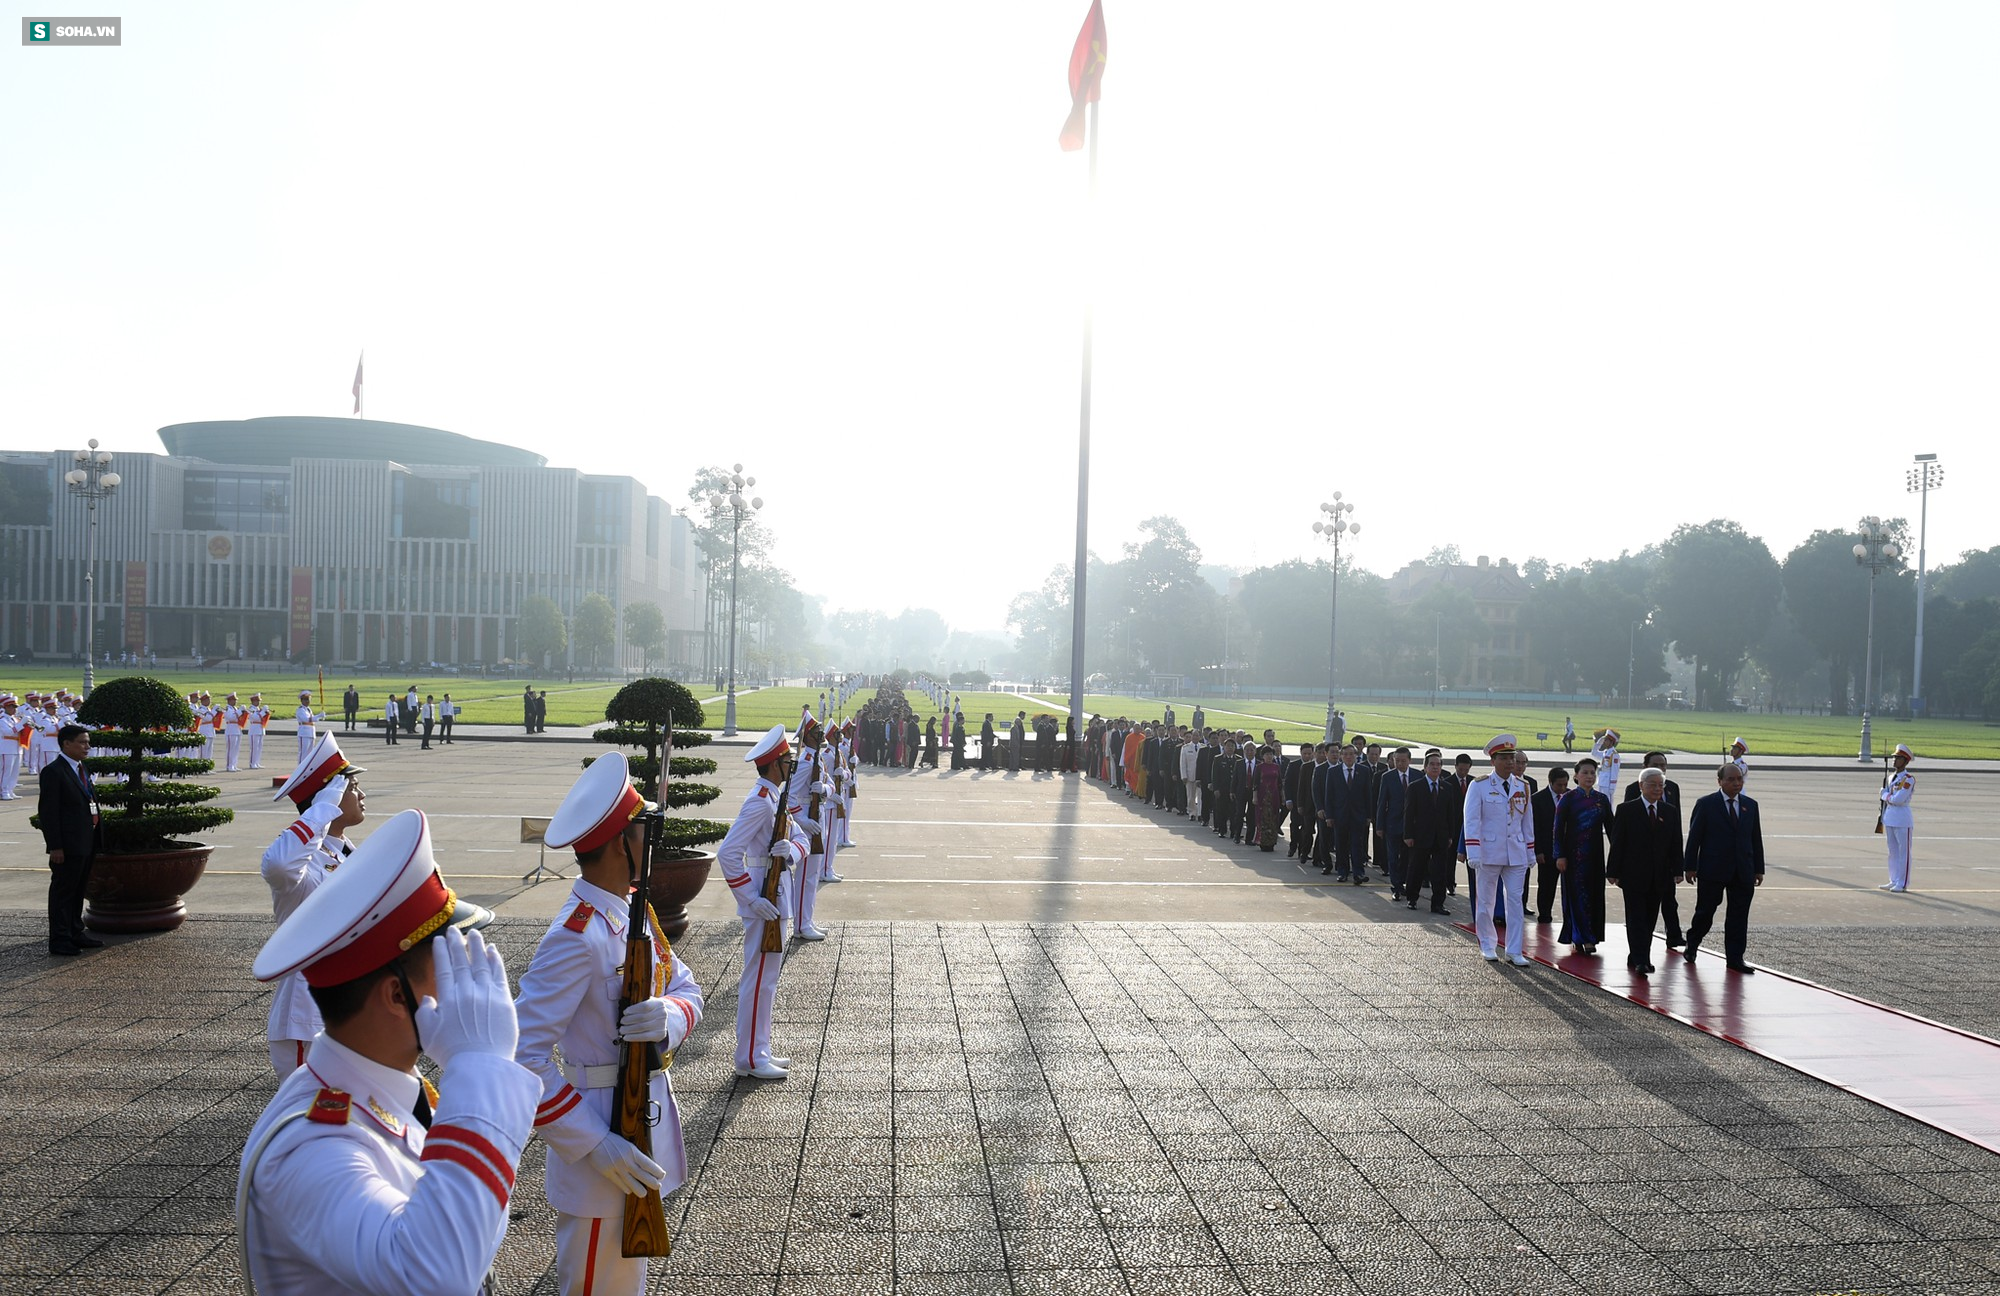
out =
column 1605, row 752
column 746, row 855
column 42, row 746
column 256, row 718
column 12, row 725
column 569, row 1000
column 809, row 786
column 312, row 846
column 210, row 717
column 357, row 1179
column 307, row 719
column 232, row 732
column 1739, row 754
column 1500, row 847
column 1899, row 823
column 850, row 759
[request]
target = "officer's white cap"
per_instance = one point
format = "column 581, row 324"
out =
column 772, row 746
column 1902, row 749
column 1500, row 744
column 384, row 900
column 323, row 763
column 1738, row 742
column 599, row 805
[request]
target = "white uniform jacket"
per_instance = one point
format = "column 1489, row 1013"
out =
column 808, row 777
column 569, row 1000
column 1499, row 823
column 352, row 1195
column 745, row 853
column 1896, row 812
column 306, row 718
column 293, row 867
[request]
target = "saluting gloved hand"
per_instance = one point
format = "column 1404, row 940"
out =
column 756, row 906
column 635, row 1173
column 329, row 796
column 653, row 1021
column 473, row 1011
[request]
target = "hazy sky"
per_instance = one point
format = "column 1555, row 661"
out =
column 1528, row 278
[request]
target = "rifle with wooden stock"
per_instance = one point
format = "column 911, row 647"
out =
column 645, row 1232
column 772, row 940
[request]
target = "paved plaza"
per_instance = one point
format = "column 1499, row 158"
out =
column 1058, row 1042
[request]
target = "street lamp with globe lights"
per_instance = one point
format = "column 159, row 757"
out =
column 90, row 481
column 739, row 507
column 1332, row 527
column 1877, row 552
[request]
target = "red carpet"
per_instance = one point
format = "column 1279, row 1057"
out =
column 1946, row 1078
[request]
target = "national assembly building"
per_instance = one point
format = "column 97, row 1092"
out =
column 335, row 540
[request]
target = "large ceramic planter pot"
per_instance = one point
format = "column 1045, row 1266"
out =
column 142, row 892
column 678, row 876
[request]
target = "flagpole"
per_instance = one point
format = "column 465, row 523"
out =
column 1077, row 600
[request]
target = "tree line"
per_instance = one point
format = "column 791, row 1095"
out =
column 1792, row 630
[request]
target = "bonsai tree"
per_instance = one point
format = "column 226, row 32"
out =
column 139, row 719
column 641, row 714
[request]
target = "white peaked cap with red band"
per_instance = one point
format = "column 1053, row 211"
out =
column 383, row 901
column 599, row 805
column 323, row 763
column 772, row 746
column 1902, row 749
column 1500, row 743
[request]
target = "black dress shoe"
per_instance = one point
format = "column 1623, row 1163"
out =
column 1675, row 942
column 1687, row 954
column 86, row 942
column 1649, row 968
column 64, row 951
column 1441, row 911
column 1413, row 904
column 1327, row 869
column 1744, row 968
column 1642, row 969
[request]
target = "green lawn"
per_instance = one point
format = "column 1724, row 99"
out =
column 484, row 701
column 1467, row 728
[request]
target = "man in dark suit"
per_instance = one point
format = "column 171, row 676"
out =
column 1644, row 861
column 1724, row 857
column 1432, row 814
column 1347, row 799
column 69, row 821
column 1670, row 909
column 1547, row 879
column 1226, row 784
column 1298, row 801
column 1391, row 794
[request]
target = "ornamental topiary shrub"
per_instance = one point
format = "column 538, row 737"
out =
column 641, row 715
column 137, row 719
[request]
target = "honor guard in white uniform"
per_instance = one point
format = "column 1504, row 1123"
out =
column 810, row 807
column 308, row 719
column 312, row 846
column 851, row 764
column 1739, row 753
column 1605, row 752
column 257, row 719
column 194, row 727
column 1500, row 847
column 12, row 725
column 1899, row 823
column 231, row 724
column 208, row 716
column 358, row 1178
column 746, row 856
column 571, row 1034
column 42, row 747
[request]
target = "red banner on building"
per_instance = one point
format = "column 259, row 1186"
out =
column 302, row 609
column 135, row 607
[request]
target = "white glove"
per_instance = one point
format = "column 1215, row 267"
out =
column 653, row 1021
column 635, row 1173
column 473, row 1011
column 757, row 906
column 329, row 796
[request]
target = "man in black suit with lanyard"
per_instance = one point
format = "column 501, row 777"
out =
column 69, row 821
column 1670, row 909
column 1725, row 859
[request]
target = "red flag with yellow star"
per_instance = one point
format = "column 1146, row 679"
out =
column 1086, row 74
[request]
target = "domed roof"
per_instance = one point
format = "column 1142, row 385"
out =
column 277, row 441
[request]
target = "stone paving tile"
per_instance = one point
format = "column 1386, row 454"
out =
column 1049, row 1108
